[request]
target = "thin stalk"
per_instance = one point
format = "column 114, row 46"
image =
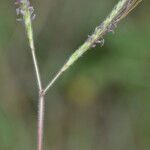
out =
column 26, row 10
column 120, row 11
column 40, row 122
column 53, row 81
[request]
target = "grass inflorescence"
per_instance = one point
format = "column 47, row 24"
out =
column 25, row 12
column 120, row 11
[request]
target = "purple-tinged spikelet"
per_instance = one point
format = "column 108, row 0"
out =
column 21, row 11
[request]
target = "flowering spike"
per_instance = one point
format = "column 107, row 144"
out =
column 25, row 9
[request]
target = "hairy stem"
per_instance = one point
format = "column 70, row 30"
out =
column 25, row 10
column 121, row 10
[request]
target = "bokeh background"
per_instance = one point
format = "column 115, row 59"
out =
column 102, row 102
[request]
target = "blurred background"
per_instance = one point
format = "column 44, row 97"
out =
column 102, row 102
